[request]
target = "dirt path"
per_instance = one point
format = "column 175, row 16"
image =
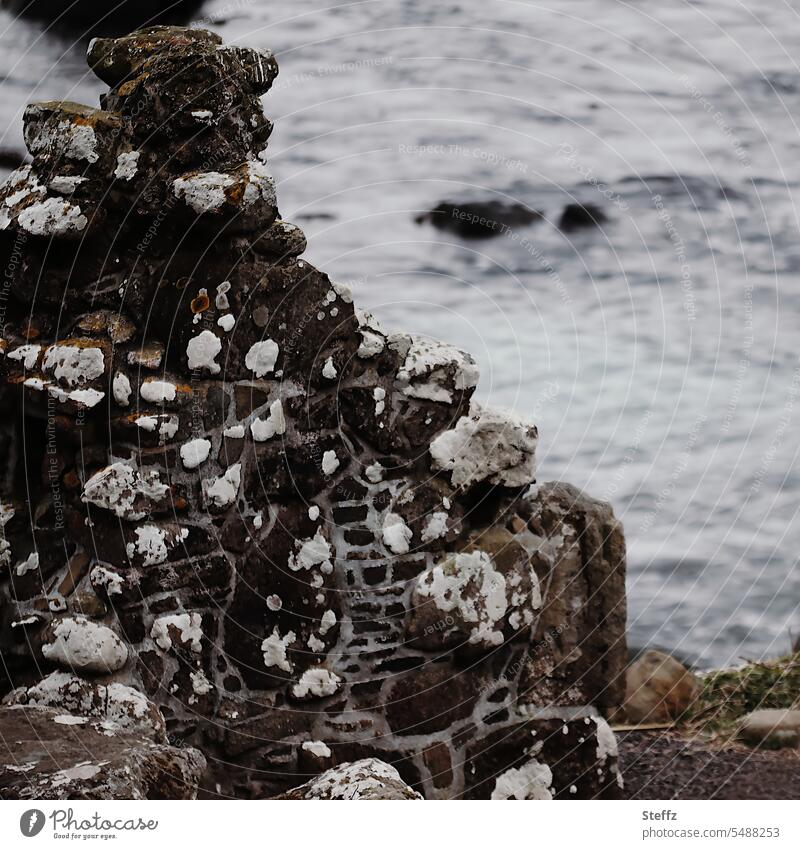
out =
column 664, row 765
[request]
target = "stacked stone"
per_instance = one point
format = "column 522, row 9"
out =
column 236, row 511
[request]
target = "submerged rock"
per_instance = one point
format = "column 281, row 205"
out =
column 577, row 216
column 112, row 16
column 307, row 546
column 479, row 219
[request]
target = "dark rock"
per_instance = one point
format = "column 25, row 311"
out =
column 45, row 754
column 114, row 16
column 577, row 216
column 479, row 219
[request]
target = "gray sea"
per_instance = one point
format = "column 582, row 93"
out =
column 658, row 354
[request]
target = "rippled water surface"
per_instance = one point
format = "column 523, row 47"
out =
column 658, row 354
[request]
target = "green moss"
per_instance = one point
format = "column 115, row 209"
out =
column 728, row 695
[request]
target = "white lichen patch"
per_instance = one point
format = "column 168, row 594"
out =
column 119, row 487
column 327, row 622
column 261, row 357
column 315, row 644
column 64, row 185
column 373, row 339
column 227, row 322
column 107, row 580
column 374, row 472
column 121, row 389
column 234, row 432
column 74, row 365
column 188, row 627
column 195, row 452
column 329, row 369
column 28, row 355
column 274, row 648
column 204, row 191
column 223, row 491
column 316, row 682
column 310, row 553
column 433, row 370
column 259, row 184
column 435, row 527
column 158, row 391
column 200, row 684
column 330, row 462
column 379, row 395
column 469, row 585
column 606, row 740
column 29, row 564
column 396, row 534
column 80, row 644
column 52, row 217
column 152, row 543
column 127, row 165
column 533, row 780
column 488, row 444
column 317, row 748
column 275, row 423
column 202, row 351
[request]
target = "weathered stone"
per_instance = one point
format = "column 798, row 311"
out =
column 771, row 729
column 292, row 530
column 45, row 754
column 659, row 688
column 362, row 780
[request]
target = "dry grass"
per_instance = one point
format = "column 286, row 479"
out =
column 730, row 694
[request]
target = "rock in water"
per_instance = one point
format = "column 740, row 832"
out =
column 111, row 16
column 479, row 219
column 577, row 216
column 307, row 546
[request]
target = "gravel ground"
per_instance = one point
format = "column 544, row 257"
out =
column 664, row 765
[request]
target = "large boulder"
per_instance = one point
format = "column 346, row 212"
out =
column 261, row 525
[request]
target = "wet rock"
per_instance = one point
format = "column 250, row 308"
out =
column 360, row 781
column 771, row 729
column 659, row 688
column 260, row 519
column 46, row 754
column 578, row 216
column 479, row 219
